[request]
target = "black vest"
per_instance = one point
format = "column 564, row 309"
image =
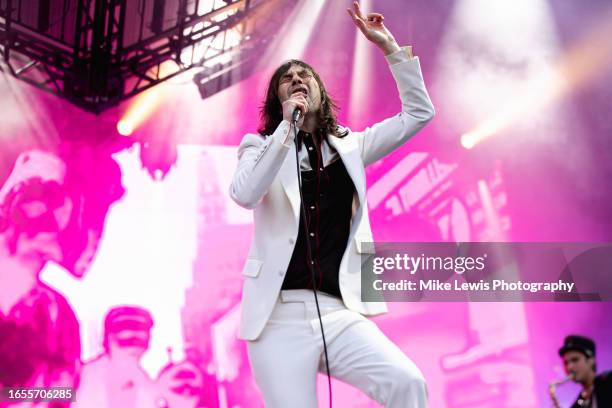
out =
column 328, row 199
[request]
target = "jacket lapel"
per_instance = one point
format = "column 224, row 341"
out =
column 288, row 178
column 348, row 150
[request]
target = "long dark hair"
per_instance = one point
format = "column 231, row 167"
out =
column 272, row 111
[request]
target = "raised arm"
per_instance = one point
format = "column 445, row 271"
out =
column 382, row 138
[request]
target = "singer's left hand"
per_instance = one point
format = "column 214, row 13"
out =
column 373, row 28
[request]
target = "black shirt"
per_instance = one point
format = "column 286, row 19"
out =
column 602, row 392
column 328, row 198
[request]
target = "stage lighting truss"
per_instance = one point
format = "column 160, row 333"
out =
column 96, row 53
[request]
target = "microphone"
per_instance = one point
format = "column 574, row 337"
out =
column 297, row 114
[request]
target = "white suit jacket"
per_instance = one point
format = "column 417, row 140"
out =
column 266, row 181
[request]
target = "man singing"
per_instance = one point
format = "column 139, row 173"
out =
column 297, row 250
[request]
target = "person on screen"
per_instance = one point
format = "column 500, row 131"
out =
column 42, row 220
column 116, row 379
column 180, row 385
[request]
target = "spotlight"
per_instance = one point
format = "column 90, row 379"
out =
column 125, row 128
column 467, row 140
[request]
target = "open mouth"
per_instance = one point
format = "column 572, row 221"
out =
column 301, row 90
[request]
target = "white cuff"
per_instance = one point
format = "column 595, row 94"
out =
column 403, row 55
column 284, row 133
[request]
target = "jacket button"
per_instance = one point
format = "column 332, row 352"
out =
column 281, row 272
column 291, row 241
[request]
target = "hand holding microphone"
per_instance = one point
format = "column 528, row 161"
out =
column 296, row 107
column 297, row 115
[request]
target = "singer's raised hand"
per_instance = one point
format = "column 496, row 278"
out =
column 373, row 29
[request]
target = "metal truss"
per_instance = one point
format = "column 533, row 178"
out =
column 96, row 53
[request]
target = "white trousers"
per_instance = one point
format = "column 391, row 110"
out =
column 286, row 357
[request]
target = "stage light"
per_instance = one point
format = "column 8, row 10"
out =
column 487, row 72
column 139, row 110
column 125, row 128
column 467, row 140
column 143, row 105
column 582, row 64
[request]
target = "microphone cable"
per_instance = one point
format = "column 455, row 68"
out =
column 309, row 249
